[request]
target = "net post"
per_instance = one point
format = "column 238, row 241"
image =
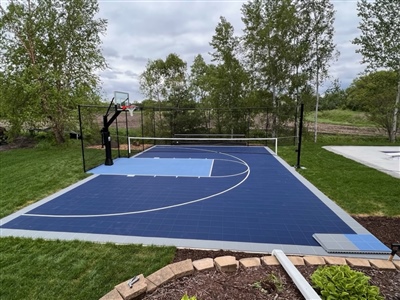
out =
column 129, row 145
column 81, row 133
column 298, row 166
column 276, row 146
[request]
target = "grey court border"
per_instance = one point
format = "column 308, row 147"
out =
column 192, row 243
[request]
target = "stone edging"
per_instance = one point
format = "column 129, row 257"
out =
column 229, row 264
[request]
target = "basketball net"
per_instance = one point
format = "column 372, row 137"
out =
column 131, row 108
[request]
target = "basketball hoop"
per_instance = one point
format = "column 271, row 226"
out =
column 131, row 108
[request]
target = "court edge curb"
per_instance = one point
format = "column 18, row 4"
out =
column 229, row 264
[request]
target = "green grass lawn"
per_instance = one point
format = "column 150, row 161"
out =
column 358, row 189
column 39, row 269
column 341, row 117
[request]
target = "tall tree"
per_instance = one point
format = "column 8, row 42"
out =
column 50, row 52
column 374, row 93
column 165, row 81
column 198, row 79
column 161, row 79
column 380, row 42
column 270, row 29
column 318, row 17
column 228, row 79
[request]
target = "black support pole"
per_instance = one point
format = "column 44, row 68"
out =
column 298, row 166
column 81, row 133
column 106, row 137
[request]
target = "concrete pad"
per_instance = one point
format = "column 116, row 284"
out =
column 296, row 260
column 204, row 264
column 112, row 295
column 314, row 260
column 331, row 260
column 270, row 261
column 137, row 289
column 250, row 262
column 161, row 276
column 226, row 263
column 382, row 264
column 371, row 156
column 358, row 262
column 182, row 268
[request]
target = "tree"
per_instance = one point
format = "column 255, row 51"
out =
column 49, row 54
column 374, row 93
column 161, row 79
column 380, row 43
column 166, row 83
column 198, row 79
column 227, row 80
column 276, row 53
column 334, row 97
column 318, row 17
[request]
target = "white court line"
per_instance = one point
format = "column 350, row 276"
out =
column 154, row 209
column 211, row 168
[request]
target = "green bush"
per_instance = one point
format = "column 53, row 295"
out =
column 340, row 282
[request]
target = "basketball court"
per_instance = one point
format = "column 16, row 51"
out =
column 211, row 193
column 198, row 196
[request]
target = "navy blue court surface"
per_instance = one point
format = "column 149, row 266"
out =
column 233, row 194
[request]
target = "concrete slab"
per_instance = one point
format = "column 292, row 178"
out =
column 270, row 261
column 381, row 158
column 331, row 260
column 314, row 260
column 112, row 295
column 136, row 290
column 182, row 268
column 250, row 262
column 382, row 264
column 358, row 262
column 203, row 264
column 226, row 263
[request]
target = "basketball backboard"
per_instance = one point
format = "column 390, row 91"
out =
column 121, row 99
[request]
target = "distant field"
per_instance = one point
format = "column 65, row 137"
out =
column 341, row 117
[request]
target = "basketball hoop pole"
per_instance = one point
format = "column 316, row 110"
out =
column 105, row 133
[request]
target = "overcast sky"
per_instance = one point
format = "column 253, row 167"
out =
column 139, row 31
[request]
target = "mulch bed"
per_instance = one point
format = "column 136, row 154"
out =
column 272, row 282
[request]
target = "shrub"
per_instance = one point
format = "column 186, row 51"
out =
column 186, row 297
column 340, row 282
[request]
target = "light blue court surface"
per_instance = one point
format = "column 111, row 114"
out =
column 215, row 197
column 157, row 167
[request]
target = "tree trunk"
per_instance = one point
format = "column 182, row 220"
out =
column 274, row 113
column 58, row 132
column 316, row 109
column 395, row 113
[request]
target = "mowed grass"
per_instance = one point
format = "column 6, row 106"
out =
column 341, row 117
column 39, row 269
column 28, row 175
column 356, row 188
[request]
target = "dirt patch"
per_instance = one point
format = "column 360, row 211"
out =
column 347, row 130
column 19, row 143
column 272, row 282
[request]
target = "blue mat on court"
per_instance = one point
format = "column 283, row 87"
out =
column 225, row 194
